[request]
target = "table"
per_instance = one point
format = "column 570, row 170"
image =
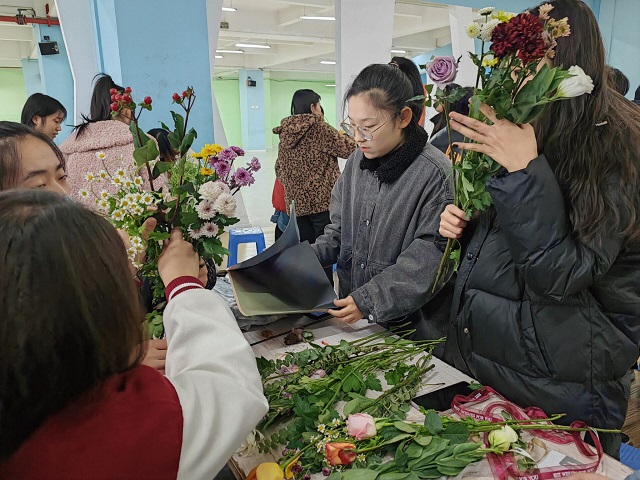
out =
column 332, row 331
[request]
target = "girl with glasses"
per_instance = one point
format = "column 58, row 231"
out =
column 385, row 208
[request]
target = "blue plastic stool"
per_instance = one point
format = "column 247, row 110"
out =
column 630, row 456
column 244, row 235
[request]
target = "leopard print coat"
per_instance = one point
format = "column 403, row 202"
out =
column 307, row 163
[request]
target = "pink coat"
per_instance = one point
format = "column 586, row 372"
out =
column 109, row 136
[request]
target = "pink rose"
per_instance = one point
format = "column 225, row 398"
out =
column 361, row 426
column 442, row 71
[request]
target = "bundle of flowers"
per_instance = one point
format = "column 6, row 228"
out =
column 185, row 192
column 514, row 79
column 340, row 410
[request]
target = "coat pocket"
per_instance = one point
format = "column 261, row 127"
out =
column 343, row 270
column 536, row 356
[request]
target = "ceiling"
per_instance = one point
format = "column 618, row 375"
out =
column 297, row 46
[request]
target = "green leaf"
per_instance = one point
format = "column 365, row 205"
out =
column 145, row 154
column 140, row 139
column 186, row 188
column 404, row 427
column 414, row 450
column 464, row 448
column 451, row 462
column 433, row 422
column 449, row 471
column 359, row 474
column 423, row 440
column 373, row 383
column 398, row 438
column 189, row 218
column 164, row 125
column 456, row 433
column 351, row 406
column 178, row 121
column 161, row 167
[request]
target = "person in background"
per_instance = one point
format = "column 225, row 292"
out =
column 307, row 163
column 618, row 81
column 636, row 98
column 100, row 133
column 410, row 69
column 44, row 113
column 440, row 139
column 546, row 307
column 93, row 409
column 385, row 208
column 280, row 217
column 167, row 152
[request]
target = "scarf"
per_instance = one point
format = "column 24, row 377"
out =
column 391, row 166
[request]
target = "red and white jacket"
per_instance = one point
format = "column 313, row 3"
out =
column 143, row 425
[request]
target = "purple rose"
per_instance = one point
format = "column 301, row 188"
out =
column 243, row 177
column 254, row 164
column 238, row 150
column 442, row 71
column 222, row 168
column 227, row 155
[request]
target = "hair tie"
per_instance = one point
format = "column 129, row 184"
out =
column 394, row 64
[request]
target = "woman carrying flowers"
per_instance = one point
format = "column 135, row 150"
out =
column 547, row 301
column 385, row 207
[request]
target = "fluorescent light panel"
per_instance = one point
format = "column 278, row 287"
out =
column 219, row 56
column 398, row 51
column 229, row 51
column 229, row 9
column 251, row 45
column 327, row 62
column 316, row 17
column 330, row 85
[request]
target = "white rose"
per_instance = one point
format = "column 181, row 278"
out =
column 503, row 438
column 578, row 84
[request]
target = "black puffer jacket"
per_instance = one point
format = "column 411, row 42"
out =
column 541, row 317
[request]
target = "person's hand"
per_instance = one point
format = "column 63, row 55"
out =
column 156, row 354
column 147, row 227
column 452, row 222
column 512, row 146
column 178, row 259
column 349, row 313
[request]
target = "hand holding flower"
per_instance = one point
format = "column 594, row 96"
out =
column 512, row 146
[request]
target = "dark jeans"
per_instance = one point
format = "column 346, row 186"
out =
column 311, row 227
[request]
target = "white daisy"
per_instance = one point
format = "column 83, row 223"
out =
column 335, row 422
column 148, row 199
column 138, row 181
column 117, row 180
column 136, row 210
column 125, row 203
column 137, row 197
column 84, row 193
column 118, row 215
column 101, row 155
column 127, row 183
column 322, row 427
column 120, row 172
column 89, row 177
column 103, row 174
column 103, row 204
column 206, row 210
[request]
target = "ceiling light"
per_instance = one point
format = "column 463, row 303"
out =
column 251, row 45
column 229, row 51
column 315, row 17
column 229, row 9
column 327, row 62
column 330, row 85
column 398, row 51
column 219, row 56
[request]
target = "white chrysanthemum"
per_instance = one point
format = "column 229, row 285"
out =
column 89, row 177
column 212, row 190
column 209, row 230
column 137, row 197
column 136, row 210
column 125, row 203
column 136, row 241
column 225, row 204
column 206, row 210
column 120, row 172
column 127, row 183
column 104, row 194
column 138, row 181
column 118, row 215
column 360, row 457
column 103, row 204
column 148, row 199
column 84, row 193
column 117, row 181
column 486, row 10
column 335, row 422
column 101, row 155
column 487, row 29
column 472, row 30
column 103, row 174
column 195, row 234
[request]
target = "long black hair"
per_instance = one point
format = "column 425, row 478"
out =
column 389, row 89
column 11, row 134
column 593, row 139
column 302, row 101
column 86, row 327
column 100, row 102
column 41, row 105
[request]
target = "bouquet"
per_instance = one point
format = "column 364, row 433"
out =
column 190, row 192
column 515, row 80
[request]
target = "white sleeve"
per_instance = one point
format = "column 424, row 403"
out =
column 213, row 370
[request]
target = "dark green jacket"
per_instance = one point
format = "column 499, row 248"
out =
column 539, row 316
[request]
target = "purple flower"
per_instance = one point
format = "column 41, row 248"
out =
column 243, row 177
column 238, row 150
column 297, row 468
column 286, row 370
column 326, row 471
column 222, row 168
column 227, row 155
column 442, row 70
column 286, row 395
column 318, row 374
column 306, row 477
column 255, row 164
column 285, row 452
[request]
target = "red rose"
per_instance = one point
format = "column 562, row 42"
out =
column 147, row 100
column 127, row 98
column 114, row 107
column 176, row 98
column 127, row 90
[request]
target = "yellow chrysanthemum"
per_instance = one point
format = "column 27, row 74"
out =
column 503, row 16
column 206, row 171
column 209, row 150
column 490, row 61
